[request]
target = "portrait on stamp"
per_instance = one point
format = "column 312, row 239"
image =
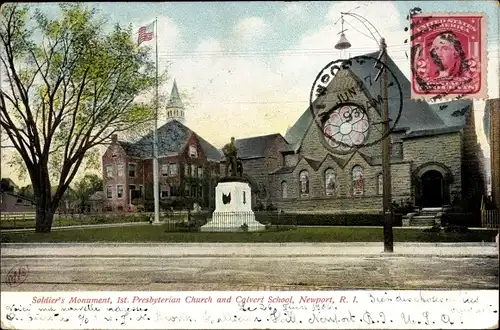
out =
column 448, row 56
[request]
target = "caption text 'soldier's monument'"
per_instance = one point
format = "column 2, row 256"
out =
column 233, row 198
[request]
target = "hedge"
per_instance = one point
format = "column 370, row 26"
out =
column 461, row 219
column 324, row 219
column 297, row 219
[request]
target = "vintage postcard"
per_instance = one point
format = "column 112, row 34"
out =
column 249, row 165
column 449, row 56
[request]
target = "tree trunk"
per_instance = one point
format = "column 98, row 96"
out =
column 44, row 216
column 44, row 206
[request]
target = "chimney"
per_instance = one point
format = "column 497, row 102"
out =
column 114, row 138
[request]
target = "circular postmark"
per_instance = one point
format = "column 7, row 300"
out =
column 17, row 275
column 348, row 112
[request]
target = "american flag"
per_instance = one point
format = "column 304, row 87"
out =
column 145, row 33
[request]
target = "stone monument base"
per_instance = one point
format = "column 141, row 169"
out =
column 232, row 222
column 233, row 199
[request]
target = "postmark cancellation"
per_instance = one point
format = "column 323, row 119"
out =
column 449, row 58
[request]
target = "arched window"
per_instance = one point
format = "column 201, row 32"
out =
column 284, row 190
column 380, row 184
column 304, row 183
column 330, row 182
column 358, row 181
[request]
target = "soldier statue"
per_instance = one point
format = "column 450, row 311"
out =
column 230, row 152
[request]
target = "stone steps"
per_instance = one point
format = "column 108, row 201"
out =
column 431, row 211
column 422, row 220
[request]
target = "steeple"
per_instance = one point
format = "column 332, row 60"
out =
column 175, row 108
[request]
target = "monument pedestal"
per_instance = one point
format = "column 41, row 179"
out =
column 233, row 200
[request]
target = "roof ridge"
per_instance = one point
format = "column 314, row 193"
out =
column 258, row 136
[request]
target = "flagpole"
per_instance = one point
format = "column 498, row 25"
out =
column 156, row 187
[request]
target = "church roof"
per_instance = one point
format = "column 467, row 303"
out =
column 175, row 99
column 172, row 137
column 255, row 147
column 453, row 113
column 415, row 116
column 283, row 170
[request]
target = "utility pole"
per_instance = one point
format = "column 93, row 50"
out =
column 156, row 188
column 386, row 141
column 386, row 163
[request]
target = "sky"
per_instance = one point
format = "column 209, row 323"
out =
column 247, row 67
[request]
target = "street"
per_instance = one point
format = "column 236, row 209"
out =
column 297, row 266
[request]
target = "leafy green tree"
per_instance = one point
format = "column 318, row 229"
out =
column 70, row 86
column 86, row 187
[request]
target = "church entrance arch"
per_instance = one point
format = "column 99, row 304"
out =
column 433, row 185
column 432, row 189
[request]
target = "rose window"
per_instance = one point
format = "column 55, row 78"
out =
column 346, row 128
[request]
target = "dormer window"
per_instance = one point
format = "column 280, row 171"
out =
column 193, row 153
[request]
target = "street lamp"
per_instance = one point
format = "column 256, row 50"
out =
column 386, row 167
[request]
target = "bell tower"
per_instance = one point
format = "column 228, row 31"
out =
column 175, row 108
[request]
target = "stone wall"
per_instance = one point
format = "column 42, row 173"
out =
column 495, row 150
column 473, row 176
column 444, row 149
column 343, row 199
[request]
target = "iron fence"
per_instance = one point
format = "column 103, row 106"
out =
column 490, row 218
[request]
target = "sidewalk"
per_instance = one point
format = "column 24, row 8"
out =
column 246, row 250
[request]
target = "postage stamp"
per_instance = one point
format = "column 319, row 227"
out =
column 448, row 56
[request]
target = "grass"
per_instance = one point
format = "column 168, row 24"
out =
column 299, row 234
column 74, row 221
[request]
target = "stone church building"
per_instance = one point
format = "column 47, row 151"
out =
column 435, row 154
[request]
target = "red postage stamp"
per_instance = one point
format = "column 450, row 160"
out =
column 448, row 52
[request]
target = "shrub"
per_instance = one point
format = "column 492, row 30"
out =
column 271, row 207
column 294, row 219
column 340, row 220
column 280, row 227
column 258, row 207
column 461, row 219
column 186, row 227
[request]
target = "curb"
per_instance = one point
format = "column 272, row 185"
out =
column 240, row 244
column 236, row 255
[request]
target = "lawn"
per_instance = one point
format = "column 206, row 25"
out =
column 74, row 221
column 298, row 234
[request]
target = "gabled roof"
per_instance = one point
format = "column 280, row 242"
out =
column 296, row 132
column 131, row 150
column 255, row 147
column 315, row 164
column 415, row 116
column 172, row 137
